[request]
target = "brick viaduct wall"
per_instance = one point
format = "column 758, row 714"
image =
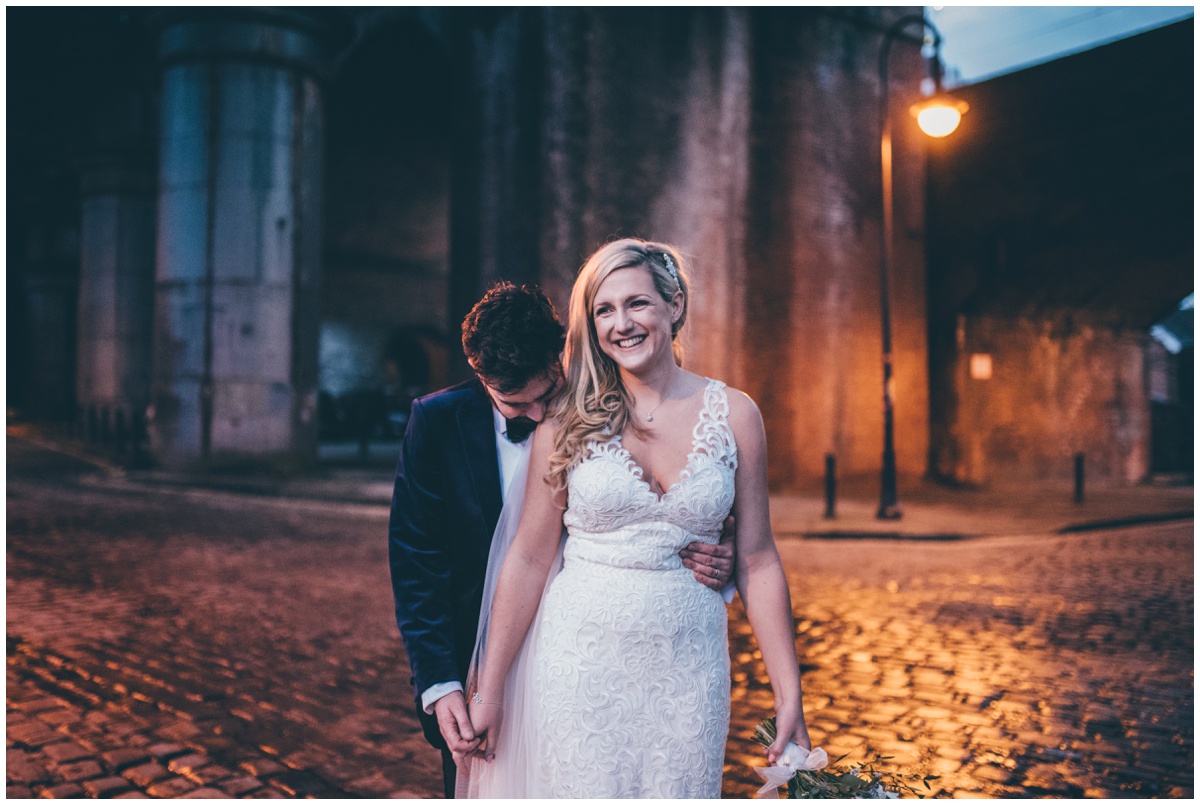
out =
column 1060, row 231
column 746, row 136
column 1058, row 387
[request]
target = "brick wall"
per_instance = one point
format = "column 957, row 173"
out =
column 1057, row 386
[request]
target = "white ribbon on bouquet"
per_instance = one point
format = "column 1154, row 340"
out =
column 793, row 759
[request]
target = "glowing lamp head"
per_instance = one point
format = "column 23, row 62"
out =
column 940, row 115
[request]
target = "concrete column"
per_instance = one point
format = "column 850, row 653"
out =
column 496, row 183
column 678, row 175
column 239, row 234
column 813, row 342
column 116, row 285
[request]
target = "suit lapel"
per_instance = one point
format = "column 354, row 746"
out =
column 479, row 446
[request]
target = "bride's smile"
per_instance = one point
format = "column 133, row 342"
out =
column 633, row 322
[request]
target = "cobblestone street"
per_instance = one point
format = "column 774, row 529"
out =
column 184, row 643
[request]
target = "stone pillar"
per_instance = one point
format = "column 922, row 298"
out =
column 239, row 234
column 497, row 156
column 116, row 286
column 813, row 341
column 666, row 162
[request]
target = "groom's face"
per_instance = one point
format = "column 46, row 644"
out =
column 531, row 401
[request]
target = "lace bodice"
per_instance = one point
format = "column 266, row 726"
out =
column 607, row 494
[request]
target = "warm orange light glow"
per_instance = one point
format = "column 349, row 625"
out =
column 981, row 366
column 940, row 115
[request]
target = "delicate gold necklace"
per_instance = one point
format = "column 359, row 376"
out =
column 662, row 399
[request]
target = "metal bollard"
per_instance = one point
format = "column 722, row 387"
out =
column 137, row 435
column 105, row 427
column 1079, row 477
column 830, row 486
column 121, row 433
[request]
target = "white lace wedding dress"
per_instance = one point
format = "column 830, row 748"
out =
column 630, row 670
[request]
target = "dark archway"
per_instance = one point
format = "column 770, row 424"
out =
column 387, row 223
column 82, row 90
column 1170, row 375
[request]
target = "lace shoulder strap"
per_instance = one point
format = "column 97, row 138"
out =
column 712, row 436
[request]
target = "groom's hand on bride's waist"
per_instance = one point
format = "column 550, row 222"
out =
column 712, row 565
column 451, row 712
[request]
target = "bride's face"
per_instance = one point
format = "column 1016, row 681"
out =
column 633, row 323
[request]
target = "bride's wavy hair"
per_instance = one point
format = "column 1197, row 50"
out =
column 594, row 397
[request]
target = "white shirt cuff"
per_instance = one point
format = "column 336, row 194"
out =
column 728, row 592
column 435, row 692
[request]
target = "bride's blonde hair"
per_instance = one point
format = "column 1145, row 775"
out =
column 594, row 398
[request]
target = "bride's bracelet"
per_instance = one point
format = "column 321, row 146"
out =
column 475, row 698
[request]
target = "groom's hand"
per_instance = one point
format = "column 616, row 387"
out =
column 712, row 565
column 451, row 712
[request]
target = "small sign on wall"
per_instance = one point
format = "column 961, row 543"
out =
column 981, row 366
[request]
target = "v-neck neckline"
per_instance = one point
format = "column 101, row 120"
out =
column 639, row 473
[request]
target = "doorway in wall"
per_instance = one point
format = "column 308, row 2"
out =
column 1171, row 380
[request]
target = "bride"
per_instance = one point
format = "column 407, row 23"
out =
column 605, row 665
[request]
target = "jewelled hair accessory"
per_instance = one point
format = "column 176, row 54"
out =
column 671, row 270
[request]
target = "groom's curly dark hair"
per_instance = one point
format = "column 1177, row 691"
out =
column 512, row 336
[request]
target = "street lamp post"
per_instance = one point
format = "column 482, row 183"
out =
column 938, row 116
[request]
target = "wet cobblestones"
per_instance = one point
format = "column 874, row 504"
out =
column 192, row 644
column 1029, row 666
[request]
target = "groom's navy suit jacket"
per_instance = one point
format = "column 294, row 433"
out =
column 445, row 504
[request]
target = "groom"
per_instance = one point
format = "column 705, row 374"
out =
column 459, row 454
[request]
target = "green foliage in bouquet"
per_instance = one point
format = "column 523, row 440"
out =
column 865, row 781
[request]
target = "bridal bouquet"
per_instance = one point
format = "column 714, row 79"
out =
column 808, row 775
